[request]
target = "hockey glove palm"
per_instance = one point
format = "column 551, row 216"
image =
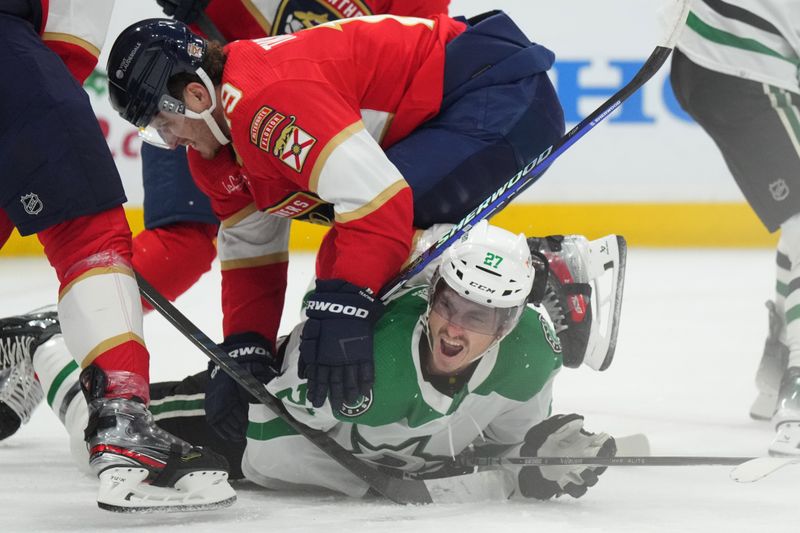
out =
column 186, row 11
column 226, row 402
column 336, row 344
column 562, row 436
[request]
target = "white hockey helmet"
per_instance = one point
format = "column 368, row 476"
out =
column 491, row 267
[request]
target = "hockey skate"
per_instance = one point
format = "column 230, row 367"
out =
column 20, row 391
column 771, row 368
column 787, row 416
column 141, row 467
column 583, row 295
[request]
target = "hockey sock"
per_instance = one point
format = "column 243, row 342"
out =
column 99, row 306
column 58, row 373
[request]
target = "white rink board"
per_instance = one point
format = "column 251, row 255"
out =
column 644, row 153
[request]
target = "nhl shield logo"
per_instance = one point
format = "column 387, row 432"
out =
column 779, row 190
column 31, row 203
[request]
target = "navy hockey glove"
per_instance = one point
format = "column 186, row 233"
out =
column 186, row 11
column 336, row 344
column 226, row 403
column 562, row 436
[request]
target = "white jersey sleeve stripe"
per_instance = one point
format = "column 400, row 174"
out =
column 325, row 153
column 257, row 239
column 354, row 174
column 81, row 22
column 385, row 195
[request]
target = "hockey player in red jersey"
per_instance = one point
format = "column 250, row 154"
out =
column 60, row 183
column 177, row 245
column 359, row 123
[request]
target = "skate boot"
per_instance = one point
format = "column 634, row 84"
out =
column 583, row 295
column 20, row 391
column 787, row 416
column 771, row 368
column 141, row 467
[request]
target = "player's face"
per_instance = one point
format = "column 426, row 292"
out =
column 170, row 130
column 460, row 332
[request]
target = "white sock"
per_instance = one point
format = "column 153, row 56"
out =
column 58, row 373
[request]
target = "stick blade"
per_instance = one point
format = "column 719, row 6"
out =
column 485, row 486
column 760, row 467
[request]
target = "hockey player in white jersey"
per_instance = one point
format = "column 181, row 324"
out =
column 464, row 364
column 735, row 71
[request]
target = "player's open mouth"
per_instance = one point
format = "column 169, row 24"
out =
column 449, row 349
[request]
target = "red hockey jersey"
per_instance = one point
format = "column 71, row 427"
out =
column 309, row 115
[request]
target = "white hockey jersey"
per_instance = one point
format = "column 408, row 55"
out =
column 751, row 39
column 406, row 423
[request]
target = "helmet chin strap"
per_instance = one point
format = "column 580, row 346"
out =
column 206, row 115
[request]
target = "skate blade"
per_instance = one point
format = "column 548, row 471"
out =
column 124, row 490
column 606, row 299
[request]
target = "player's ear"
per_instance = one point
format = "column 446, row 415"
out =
column 195, row 95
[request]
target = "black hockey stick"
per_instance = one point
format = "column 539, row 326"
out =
column 531, row 172
column 399, row 490
column 631, row 460
column 746, row 469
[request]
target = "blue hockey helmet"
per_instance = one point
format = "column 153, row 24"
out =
column 143, row 59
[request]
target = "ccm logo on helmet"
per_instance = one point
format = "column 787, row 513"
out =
column 338, row 308
column 480, row 287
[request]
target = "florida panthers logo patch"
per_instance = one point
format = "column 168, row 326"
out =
column 293, row 146
column 360, row 406
column 296, row 15
column 263, row 125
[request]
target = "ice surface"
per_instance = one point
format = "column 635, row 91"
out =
column 693, row 325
